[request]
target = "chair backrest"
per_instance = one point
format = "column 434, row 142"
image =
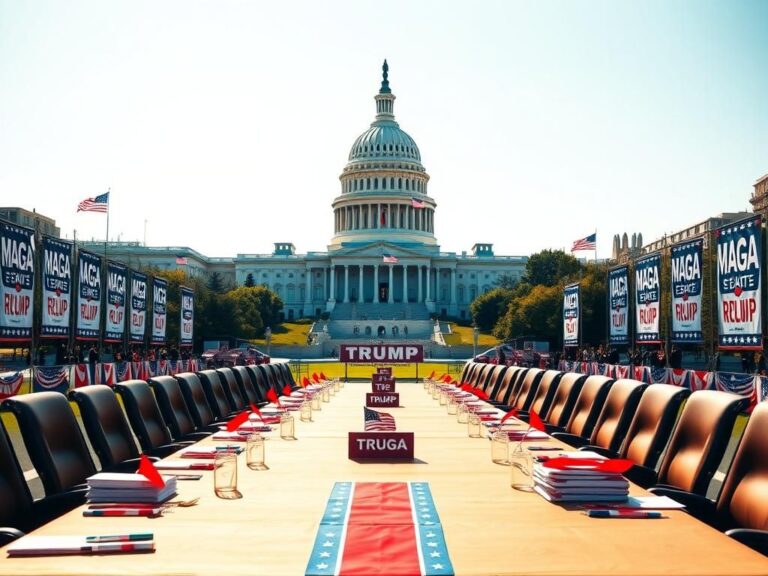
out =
column 515, row 384
column 494, row 377
column 15, row 499
column 194, row 395
column 561, row 407
column 527, row 389
column 545, row 391
column 652, row 425
column 53, row 439
column 173, row 407
column 260, row 380
column 483, row 375
column 588, row 405
column 288, row 378
column 618, row 410
column 269, row 377
column 465, row 372
column 246, row 383
column 214, row 392
column 144, row 414
column 700, row 439
column 473, row 367
column 742, row 502
column 476, row 374
column 231, row 389
column 106, row 424
column 504, row 386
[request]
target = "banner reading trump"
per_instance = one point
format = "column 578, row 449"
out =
column 159, row 310
column 618, row 302
column 686, row 292
column 571, row 306
column 187, row 316
column 739, row 263
column 17, row 267
column 57, row 288
column 138, row 326
column 647, row 299
column 116, row 295
column 88, row 296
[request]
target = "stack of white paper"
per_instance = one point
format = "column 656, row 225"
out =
column 118, row 487
column 579, row 484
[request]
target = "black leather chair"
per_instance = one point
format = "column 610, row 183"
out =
column 245, row 381
column 194, row 395
column 53, row 440
column 107, row 428
column 494, row 377
column 742, row 507
column 698, row 442
column 18, row 512
column 260, row 378
column 287, row 374
column 146, row 419
column 614, row 419
column 527, row 389
column 232, row 390
column 558, row 413
column 214, row 393
column 175, row 410
column 588, row 406
column 545, row 393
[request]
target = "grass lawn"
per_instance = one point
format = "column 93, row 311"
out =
column 286, row 334
column 463, row 335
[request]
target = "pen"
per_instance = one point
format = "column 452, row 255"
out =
column 119, row 547
column 120, row 537
column 123, row 512
column 544, row 448
column 603, row 513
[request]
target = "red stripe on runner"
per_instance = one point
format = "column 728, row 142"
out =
column 381, row 537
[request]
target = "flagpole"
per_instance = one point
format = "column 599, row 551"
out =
column 595, row 245
column 104, row 305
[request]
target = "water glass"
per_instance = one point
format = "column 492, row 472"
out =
column 521, row 465
column 500, row 447
column 435, row 392
column 225, row 476
column 305, row 411
column 315, row 401
column 326, row 394
column 453, row 406
column 462, row 414
column 443, row 397
column 286, row 427
column 254, row 452
column 473, row 426
column 336, row 385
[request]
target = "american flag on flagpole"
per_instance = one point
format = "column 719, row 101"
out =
column 390, row 259
column 181, row 260
column 98, row 204
column 378, row 421
column 587, row 243
column 416, row 203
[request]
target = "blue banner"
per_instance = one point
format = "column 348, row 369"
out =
column 647, row 299
column 17, row 269
column 138, row 306
column 88, row 296
column 571, row 310
column 618, row 303
column 686, row 292
column 57, row 288
column 187, row 316
column 739, row 295
column 114, row 319
column 50, row 379
column 159, row 310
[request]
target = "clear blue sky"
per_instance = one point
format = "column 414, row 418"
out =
column 225, row 124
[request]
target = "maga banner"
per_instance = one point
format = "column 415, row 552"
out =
column 571, row 308
column 686, row 292
column 88, row 296
column 187, row 316
column 159, row 310
column 739, row 297
column 647, row 299
column 618, row 303
column 17, row 268
column 114, row 320
column 57, row 288
column 138, row 306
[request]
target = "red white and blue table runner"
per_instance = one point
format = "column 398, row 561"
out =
column 377, row 528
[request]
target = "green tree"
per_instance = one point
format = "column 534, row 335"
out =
column 550, row 267
column 506, row 280
column 216, row 283
column 487, row 308
column 538, row 313
column 254, row 308
column 249, row 280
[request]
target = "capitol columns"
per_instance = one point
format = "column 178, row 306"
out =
column 346, row 283
column 452, row 308
column 360, row 297
column 376, row 283
column 390, row 290
column 308, row 292
column 332, row 295
column 405, row 283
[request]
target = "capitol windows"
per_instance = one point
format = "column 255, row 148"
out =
column 368, row 183
column 407, row 186
column 384, row 183
column 392, row 183
column 375, row 183
column 400, row 183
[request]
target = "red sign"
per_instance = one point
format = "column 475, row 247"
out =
column 381, row 446
column 385, row 400
column 379, row 387
column 391, row 353
column 382, row 378
column 384, row 370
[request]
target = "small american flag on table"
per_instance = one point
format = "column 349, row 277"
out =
column 378, row 421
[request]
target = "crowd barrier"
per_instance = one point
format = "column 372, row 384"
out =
column 752, row 386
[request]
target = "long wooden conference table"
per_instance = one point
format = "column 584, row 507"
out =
column 489, row 528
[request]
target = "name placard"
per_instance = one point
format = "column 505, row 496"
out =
column 381, row 446
column 382, row 378
column 386, row 370
column 387, row 400
column 378, row 387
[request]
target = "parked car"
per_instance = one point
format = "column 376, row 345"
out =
column 515, row 357
column 235, row 356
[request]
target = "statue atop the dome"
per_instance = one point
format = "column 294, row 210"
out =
column 385, row 82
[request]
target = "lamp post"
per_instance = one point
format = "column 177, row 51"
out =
column 475, row 334
column 268, row 339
